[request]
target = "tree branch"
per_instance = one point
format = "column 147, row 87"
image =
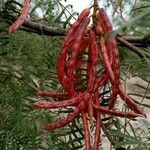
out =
column 132, row 42
column 139, row 41
column 42, row 29
column 132, row 47
column 30, row 26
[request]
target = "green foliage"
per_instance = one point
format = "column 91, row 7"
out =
column 28, row 63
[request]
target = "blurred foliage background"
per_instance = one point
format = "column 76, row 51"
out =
column 28, row 63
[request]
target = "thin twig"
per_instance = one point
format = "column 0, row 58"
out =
column 112, row 141
column 130, row 46
column 55, row 31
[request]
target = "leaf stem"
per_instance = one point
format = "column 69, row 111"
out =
column 95, row 7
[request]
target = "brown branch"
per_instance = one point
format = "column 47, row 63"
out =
column 132, row 42
column 54, row 31
column 130, row 46
column 139, row 41
column 42, row 29
column 110, row 138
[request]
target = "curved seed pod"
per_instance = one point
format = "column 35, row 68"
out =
column 22, row 17
column 52, row 94
column 77, row 44
column 114, row 80
column 105, row 60
column 130, row 102
column 86, row 131
column 79, row 63
column 42, row 104
column 62, row 60
column 112, row 52
column 77, row 66
column 90, row 109
column 66, row 46
column 63, row 122
column 117, row 113
column 92, row 62
column 70, row 102
column 112, row 46
column 100, row 81
column 84, row 14
column 78, row 72
column 76, row 50
column 61, row 63
column 104, row 21
column 98, row 123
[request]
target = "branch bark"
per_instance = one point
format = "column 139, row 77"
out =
column 29, row 26
column 42, row 29
column 132, row 42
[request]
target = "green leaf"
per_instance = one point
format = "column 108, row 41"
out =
column 124, row 143
column 69, row 19
column 62, row 13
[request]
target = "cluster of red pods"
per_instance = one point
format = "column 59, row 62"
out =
column 85, row 98
column 82, row 51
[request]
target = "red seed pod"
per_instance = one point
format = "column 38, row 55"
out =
column 90, row 109
column 92, row 61
column 117, row 113
column 112, row 53
column 42, row 104
column 66, row 46
column 86, row 131
column 83, row 14
column 105, row 60
column 132, row 105
column 61, row 64
column 71, row 117
column 112, row 46
column 77, row 44
column 98, row 123
column 47, row 105
column 114, row 80
column 22, row 17
column 84, row 44
column 63, row 55
column 51, row 94
column 72, row 31
column 76, row 50
column 104, row 20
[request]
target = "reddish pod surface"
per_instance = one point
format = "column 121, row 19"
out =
column 21, row 18
column 87, row 101
column 84, row 96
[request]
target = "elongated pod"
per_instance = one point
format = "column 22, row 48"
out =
column 69, row 102
column 22, row 17
column 72, row 31
column 92, row 61
column 86, row 131
column 61, row 123
column 75, row 52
